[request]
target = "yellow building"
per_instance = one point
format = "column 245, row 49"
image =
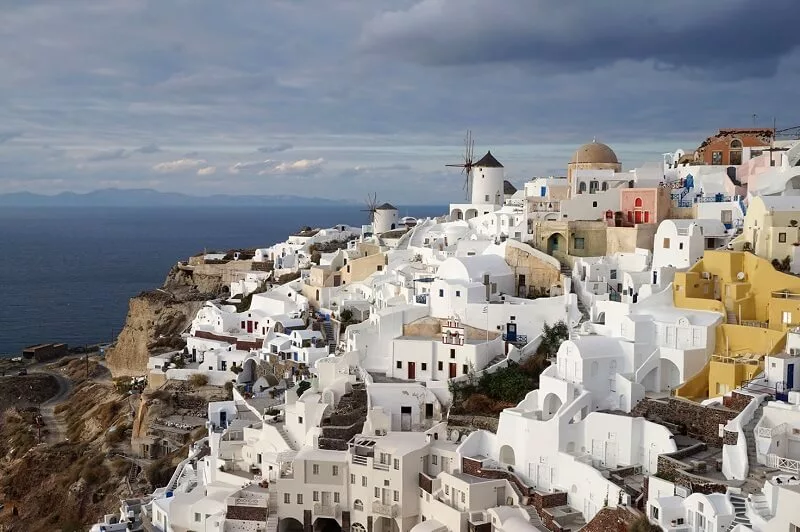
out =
column 759, row 303
column 771, row 227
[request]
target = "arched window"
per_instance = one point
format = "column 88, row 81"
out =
column 736, row 144
column 358, row 527
column 357, row 505
column 637, row 202
column 581, row 187
column 609, row 215
column 605, row 185
column 593, row 186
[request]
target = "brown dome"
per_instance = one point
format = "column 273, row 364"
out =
column 595, row 152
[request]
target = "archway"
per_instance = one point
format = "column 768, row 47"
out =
column 650, row 381
column 507, row 455
column 471, row 213
column 385, row 524
column 670, row 375
column 550, row 405
column 326, row 524
column 457, row 214
column 556, row 243
column 289, row 524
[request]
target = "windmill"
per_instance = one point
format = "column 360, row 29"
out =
column 466, row 166
column 372, row 206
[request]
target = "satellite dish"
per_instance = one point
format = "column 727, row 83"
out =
column 454, row 435
column 740, row 276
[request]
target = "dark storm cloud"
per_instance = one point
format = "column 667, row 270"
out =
column 730, row 38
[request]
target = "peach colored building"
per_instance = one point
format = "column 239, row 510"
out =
column 645, row 205
column 728, row 145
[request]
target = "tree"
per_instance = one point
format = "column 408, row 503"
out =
column 302, row 387
column 552, row 338
column 198, row 380
column 644, row 525
column 346, row 314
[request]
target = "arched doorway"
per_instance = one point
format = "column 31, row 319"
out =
column 556, row 243
column 385, row 524
column 471, row 213
column 457, row 214
column 670, row 375
column 326, row 524
column 289, row 524
column 507, row 455
column 550, row 405
column 248, row 373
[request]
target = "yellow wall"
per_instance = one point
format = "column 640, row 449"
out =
column 724, row 377
column 697, row 386
column 359, row 269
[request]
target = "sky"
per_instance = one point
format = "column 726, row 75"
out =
column 342, row 98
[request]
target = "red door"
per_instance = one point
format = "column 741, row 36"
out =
column 249, row 326
column 452, row 370
column 412, row 370
column 647, row 217
column 638, row 217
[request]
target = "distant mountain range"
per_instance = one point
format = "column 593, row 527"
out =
column 112, row 197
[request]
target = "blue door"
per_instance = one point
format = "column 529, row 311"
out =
column 790, row 377
column 544, row 192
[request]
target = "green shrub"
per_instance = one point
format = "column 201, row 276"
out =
column 198, row 380
column 302, row 387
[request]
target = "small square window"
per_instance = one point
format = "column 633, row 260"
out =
column 397, row 463
column 399, row 364
column 666, row 243
column 424, row 366
column 377, row 493
column 396, row 495
column 441, row 292
column 363, row 482
column 441, row 365
column 435, row 459
column 579, row 242
column 335, row 496
column 287, row 498
column 352, row 478
column 315, row 469
column 465, row 369
column 300, row 419
column 336, row 471
column 594, row 204
column 458, row 293
column 299, row 498
column 316, row 496
column 452, row 353
column 782, row 237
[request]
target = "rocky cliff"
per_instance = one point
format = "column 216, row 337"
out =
column 157, row 318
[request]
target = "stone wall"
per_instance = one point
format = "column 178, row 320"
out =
column 542, row 501
column 474, row 422
column 701, row 422
column 672, row 469
column 737, row 401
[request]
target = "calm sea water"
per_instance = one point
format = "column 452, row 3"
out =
column 66, row 274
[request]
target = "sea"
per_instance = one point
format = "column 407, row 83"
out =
column 66, row 274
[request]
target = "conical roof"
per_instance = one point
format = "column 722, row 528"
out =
column 386, row 207
column 508, row 188
column 489, row 161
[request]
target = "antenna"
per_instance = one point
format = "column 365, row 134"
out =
column 372, row 206
column 466, row 166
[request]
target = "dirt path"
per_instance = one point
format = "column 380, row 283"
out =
column 56, row 428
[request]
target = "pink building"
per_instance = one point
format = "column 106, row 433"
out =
column 645, row 205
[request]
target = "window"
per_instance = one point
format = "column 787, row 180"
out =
column 335, row 496
column 287, row 498
column 465, row 369
column 680, row 245
column 380, row 267
column 447, row 490
column 300, row 419
column 363, row 482
column 782, row 237
column 441, row 292
column 452, row 353
column 399, row 364
column 486, row 198
column 613, row 274
column 424, row 366
column 458, row 293
column 396, row 496
column 594, row 204
column 666, row 243
column 336, row 471
column 358, row 505
column 441, row 365
column 196, row 517
column 654, row 512
column 397, row 463
column 716, row 157
column 579, row 242
column 463, row 497
column 637, row 203
column 434, row 459
column 377, row 492
column 581, row 188
column 299, row 498
column 316, row 496
column 786, row 317
column 315, row 469
column 352, row 478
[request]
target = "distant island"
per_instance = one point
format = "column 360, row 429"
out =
column 113, row 197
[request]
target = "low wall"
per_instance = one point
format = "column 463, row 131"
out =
column 215, row 378
column 701, row 422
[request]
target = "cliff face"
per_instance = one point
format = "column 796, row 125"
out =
column 157, row 318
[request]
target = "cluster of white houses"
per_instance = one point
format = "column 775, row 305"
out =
column 676, row 398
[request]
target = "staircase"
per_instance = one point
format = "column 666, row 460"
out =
column 731, row 317
column 496, row 360
column 533, row 517
column 272, row 511
column 287, row 437
column 739, row 510
column 752, row 455
column 330, row 337
column 583, row 310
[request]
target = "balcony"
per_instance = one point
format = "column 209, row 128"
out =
column 380, row 466
column 359, row 460
column 327, row 510
column 386, row 510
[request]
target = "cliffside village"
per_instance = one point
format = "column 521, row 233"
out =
column 673, row 396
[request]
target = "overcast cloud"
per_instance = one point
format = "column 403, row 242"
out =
column 325, row 98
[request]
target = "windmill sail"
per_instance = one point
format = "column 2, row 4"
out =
column 466, row 166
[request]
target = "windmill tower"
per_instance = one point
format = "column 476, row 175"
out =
column 372, row 206
column 466, row 166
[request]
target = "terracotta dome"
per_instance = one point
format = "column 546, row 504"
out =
column 595, row 152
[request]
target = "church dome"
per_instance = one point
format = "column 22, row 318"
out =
column 594, row 152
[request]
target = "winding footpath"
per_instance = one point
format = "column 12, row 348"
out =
column 56, row 428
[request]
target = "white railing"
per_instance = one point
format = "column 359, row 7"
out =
column 784, row 464
column 769, row 432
